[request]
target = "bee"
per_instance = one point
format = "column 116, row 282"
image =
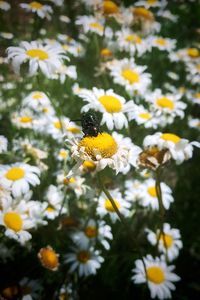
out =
column 90, row 124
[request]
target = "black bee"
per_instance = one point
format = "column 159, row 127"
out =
column 90, row 124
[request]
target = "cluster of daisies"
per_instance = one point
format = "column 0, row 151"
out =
column 57, row 176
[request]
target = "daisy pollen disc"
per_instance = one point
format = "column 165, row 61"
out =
column 170, row 137
column 110, row 103
column 15, row 173
column 155, row 274
column 131, row 76
column 13, row 221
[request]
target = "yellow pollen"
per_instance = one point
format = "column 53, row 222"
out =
column 131, row 76
column 45, row 109
column 143, row 13
column 105, row 52
column 109, row 7
column 63, row 153
column 74, row 130
column 57, row 124
column 26, row 119
column 145, row 116
column 50, row 209
column 15, row 173
column 170, row 137
column 83, row 256
column 103, row 144
column 89, row 165
column 91, row 231
column 152, row 191
column 165, row 102
column 167, row 240
column 96, row 26
column 13, row 221
column 193, row 52
column 109, row 207
column 36, row 5
column 37, row 96
column 155, row 274
column 48, row 258
column 161, row 42
column 37, row 53
column 110, row 103
column 69, row 180
column 133, row 38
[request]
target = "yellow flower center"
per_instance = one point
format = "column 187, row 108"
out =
column 105, row 52
column 13, row 221
column 143, row 13
column 83, row 256
column 89, row 165
column 63, row 153
column 15, row 173
column 161, row 42
column 74, row 130
column 133, row 38
column 26, row 119
column 110, row 103
column 48, row 258
column 152, row 191
column 170, row 137
column 45, row 110
column 37, row 53
column 146, row 116
column 109, row 7
column 91, row 231
column 109, row 207
column 96, row 26
column 131, row 76
column 197, row 95
column 57, row 124
column 36, row 5
column 165, row 102
column 193, row 52
column 104, row 144
column 37, row 96
column 167, row 240
column 50, row 209
column 155, row 274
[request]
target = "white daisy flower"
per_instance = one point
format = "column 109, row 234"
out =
column 4, row 5
column 143, row 116
column 194, row 72
column 84, row 261
column 18, row 177
column 55, row 206
column 93, row 231
column 187, row 55
column 36, row 99
column 104, row 150
column 145, row 19
column 91, row 24
column 125, row 72
column 132, row 190
column 24, row 119
column 63, row 71
column 158, row 276
column 16, row 221
column 62, row 155
column 166, row 106
column 169, row 240
column 43, row 11
column 180, row 149
column 48, row 58
column 148, row 195
column 163, row 44
column 194, row 123
column 129, row 41
column 195, row 98
column 151, row 3
column 36, row 212
column 104, row 206
column 111, row 105
column 3, row 144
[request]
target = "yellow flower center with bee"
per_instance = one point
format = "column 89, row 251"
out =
column 83, row 256
column 109, row 207
column 170, row 137
column 165, row 102
column 91, row 231
column 152, row 191
column 48, row 258
column 13, row 221
column 155, row 274
column 37, row 53
column 131, row 76
column 111, row 103
column 36, row 5
column 167, row 240
column 146, row 116
column 109, row 7
column 96, row 25
column 133, row 38
column 26, row 119
column 103, row 144
column 193, row 52
column 15, row 173
column 161, row 42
